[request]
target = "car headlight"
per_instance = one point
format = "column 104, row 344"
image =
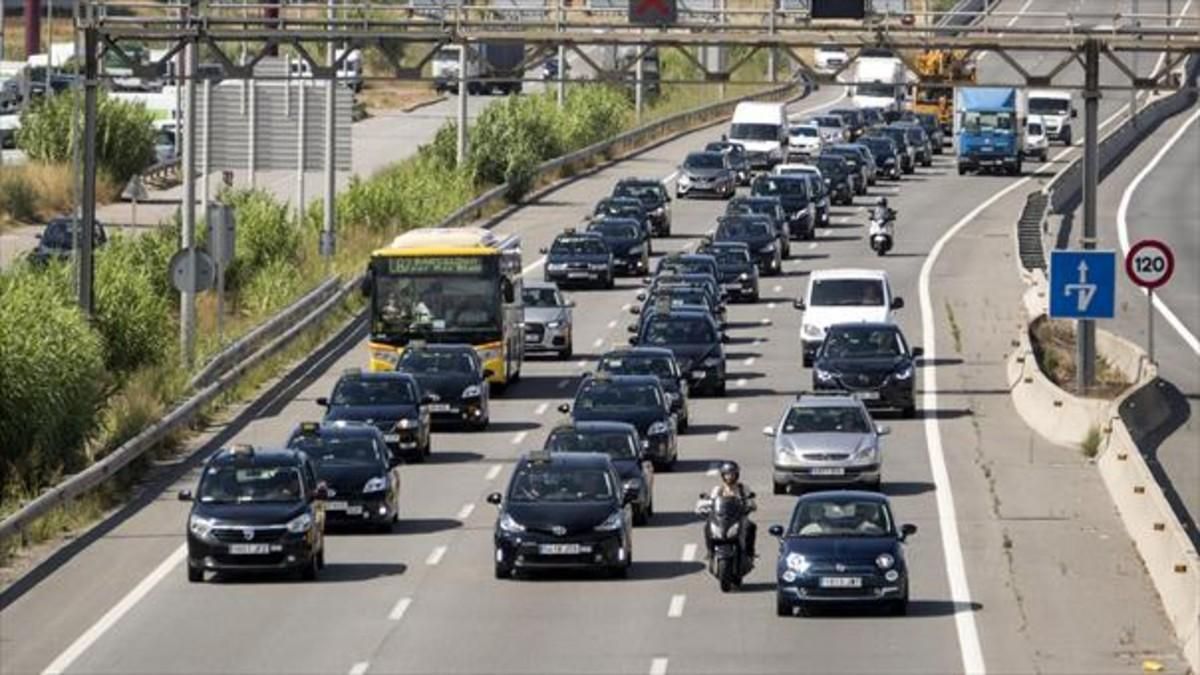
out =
column 200, row 526
column 769, row 248
column 905, row 372
column 797, row 563
column 811, row 330
column 509, row 525
column 613, row 522
column 556, row 267
column 301, row 523
column 885, row 561
column 555, row 325
column 389, row 357
column 823, row 375
column 472, row 391
column 406, row 423
column 864, row 452
column 376, row 484
column 685, row 179
column 712, row 362
column 744, row 277
column 658, row 428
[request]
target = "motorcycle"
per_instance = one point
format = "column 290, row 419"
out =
column 880, row 233
column 726, row 528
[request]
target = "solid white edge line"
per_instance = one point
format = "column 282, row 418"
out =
column 398, row 611
column 1123, row 230
column 675, row 610
column 359, row 668
column 113, row 615
column 658, row 666
column 435, row 556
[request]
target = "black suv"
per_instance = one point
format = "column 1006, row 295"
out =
column 793, row 193
column 853, row 119
column 659, row 363
column 873, row 361
column 653, row 196
column 636, row 399
column 579, row 259
column 887, row 156
column 906, row 150
column 697, row 342
column 759, row 234
column 739, row 161
column 626, row 207
column 770, row 206
column 454, row 383
column 836, row 171
column 916, row 137
column 57, row 241
column 360, row 475
column 625, row 240
column 390, row 401
column 256, row 510
column 735, row 269
column 620, row 441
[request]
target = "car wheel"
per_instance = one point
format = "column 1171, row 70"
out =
column 962, row 171
column 195, row 574
column 719, row 390
column 900, row 607
column 610, row 282
column 754, row 297
column 567, row 353
column 780, row 488
column 641, row 516
column 875, row 485
column 502, row 571
column 807, row 360
column 783, row 606
column 321, row 555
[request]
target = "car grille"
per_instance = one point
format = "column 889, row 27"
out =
column 237, row 534
column 826, row 456
column 577, row 266
column 534, row 331
column 863, row 380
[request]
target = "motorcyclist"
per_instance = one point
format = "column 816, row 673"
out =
column 882, row 218
column 731, row 486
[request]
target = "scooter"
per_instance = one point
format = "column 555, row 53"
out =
column 880, row 233
column 726, row 528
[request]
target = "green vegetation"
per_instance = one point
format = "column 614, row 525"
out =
column 124, row 133
column 1091, row 443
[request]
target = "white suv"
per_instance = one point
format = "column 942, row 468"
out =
column 830, row 57
column 843, row 296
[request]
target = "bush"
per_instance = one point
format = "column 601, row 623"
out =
column 54, row 383
column 507, row 134
column 593, row 114
column 124, row 133
column 271, row 288
column 265, row 234
column 133, row 315
column 18, row 198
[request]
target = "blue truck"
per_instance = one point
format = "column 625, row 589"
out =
column 989, row 129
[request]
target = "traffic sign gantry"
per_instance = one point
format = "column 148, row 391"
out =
column 1083, row 284
column 1150, row 264
column 653, row 12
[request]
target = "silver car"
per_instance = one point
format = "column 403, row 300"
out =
column 548, row 319
column 826, row 439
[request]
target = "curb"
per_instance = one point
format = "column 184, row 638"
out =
column 423, row 104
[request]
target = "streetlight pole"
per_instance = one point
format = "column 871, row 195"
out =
column 1085, row 334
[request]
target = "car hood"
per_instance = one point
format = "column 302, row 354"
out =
column 863, row 365
column 831, row 443
column 840, row 549
column 687, row 355
column 642, row 419
column 447, row 386
column 251, row 514
column 545, row 314
column 599, row 258
column 622, row 246
column 379, row 415
column 697, row 172
column 347, row 479
column 826, row 316
column 575, row 518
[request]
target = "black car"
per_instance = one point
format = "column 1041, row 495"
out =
column 852, row 118
column 625, row 240
column 706, row 172
column 818, row 192
column 659, row 363
column 871, row 117
column 735, row 269
column 916, row 137
column 665, row 297
column 860, row 160
column 908, row 153
column 669, row 277
column 453, row 381
column 697, row 342
column 887, row 155
column 359, row 472
column 933, row 128
column 57, row 240
column 579, row 259
column 687, row 263
column 636, row 399
column 871, row 360
column 621, row 442
column 653, row 196
column 564, row 510
column 759, row 234
column 770, row 206
column 256, row 510
column 841, row 546
column 739, row 161
column 391, row 402
column 793, row 192
column 626, row 207
column 836, row 171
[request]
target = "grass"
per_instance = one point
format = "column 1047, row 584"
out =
column 378, row 97
column 955, row 331
column 1054, row 346
column 1091, row 442
column 14, row 32
column 50, row 189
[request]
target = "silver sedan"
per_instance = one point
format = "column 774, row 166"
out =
column 826, row 440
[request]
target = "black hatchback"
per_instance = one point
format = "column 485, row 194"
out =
column 362, row 478
column 256, row 510
column 654, row 361
column 837, row 178
column 57, row 240
column 390, row 401
column 620, row 441
column 795, row 197
column 759, row 234
column 635, row 399
column 735, row 269
column 627, row 207
column 873, row 361
column 625, row 240
column 564, row 510
column 654, row 198
column 454, row 383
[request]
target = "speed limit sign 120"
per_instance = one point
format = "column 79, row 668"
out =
column 1150, row 263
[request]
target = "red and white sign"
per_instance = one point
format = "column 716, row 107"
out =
column 1150, row 263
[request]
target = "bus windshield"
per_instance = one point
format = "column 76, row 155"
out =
column 436, row 298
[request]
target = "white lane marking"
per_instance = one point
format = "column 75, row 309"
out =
column 533, row 265
column 812, row 245
column 541, row 409
column 113, row 615
column 519, row 438
column 770, row 305
column 689, row 553
column 670, row 177
column 732, row 408
column 1123, row 231
column 658, row 666
column 741, row 382
column 398, row 611
column 359, row 668
column 595, row 343
column 777, row 289
column 582, row 362
column 494, row 471
column 676, row 609
column 612, row 324
column 1008, row 25
column 749, row 361
column 722, row 436
column 466, row 511
column 562, row 384
column 765, row 321
column 435, row 556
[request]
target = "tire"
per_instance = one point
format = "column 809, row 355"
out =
column 725, row 575
column 310, row 570
column 422, row 453
column 875, row 486
column 908, row 412
column 783, row 606
column 567, row 353
column 321, row 555
column 962, row 171
column 807, row 361
column 684, row 423
column 641, row 516
column 900, row 607
column 609, row 283
column 502, row 571
column 754, row 298
column 779, row 488
column 620, row 571
column 719, row 390
column 195, row 574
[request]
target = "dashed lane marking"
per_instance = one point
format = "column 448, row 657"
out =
column 722, row 436
column 658, row 666
column 777, row 289
column 520, row 437
column 749, row 361
column 675, row 610
column 359, row 668
column 689, row 553
column 595, row 343
column 741, row 382
column 732, row 408
column 541, row 409
column 612, row 324
column 812, row 245
column 466, row 511
column 398, row 611
column 494, row 471
column 533, row 265
column 435, row 556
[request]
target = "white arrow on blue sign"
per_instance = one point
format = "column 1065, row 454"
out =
column 1083, row 284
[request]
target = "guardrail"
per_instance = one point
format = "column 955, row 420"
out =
column 163, row 174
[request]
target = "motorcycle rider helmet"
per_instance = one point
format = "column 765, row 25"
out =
column 882, row 201
column 730, row 472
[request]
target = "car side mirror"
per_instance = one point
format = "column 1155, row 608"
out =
column 564, row 408
column 494, row 499
column 798, row 304
column 751, row 495
column 918, row 351
column 768, row 431
column 775, row 530
column 1074, row 113
column 569, row 304
column 647, row 281
column 907, row 530
column 185, row 495
column 543, row 250
column 641, row 295
column 882, row 430
column 394, row 461
column 321, row 493
column 323, row 401
column 897, row 303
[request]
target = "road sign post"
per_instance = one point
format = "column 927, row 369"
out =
column 1150, row 264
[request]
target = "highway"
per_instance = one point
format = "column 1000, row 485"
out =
column 1020, row 565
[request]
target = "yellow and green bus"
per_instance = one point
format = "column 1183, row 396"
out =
column 448, row 285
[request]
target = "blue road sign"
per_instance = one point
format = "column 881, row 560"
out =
column 1083, row 284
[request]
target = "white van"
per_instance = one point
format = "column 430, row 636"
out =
column 1056, row 112
column 762, row 128
column 880, row 82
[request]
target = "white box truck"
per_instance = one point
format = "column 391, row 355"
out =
column 879, row 82
column 762, row 128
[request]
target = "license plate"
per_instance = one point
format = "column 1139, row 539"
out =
column 841, row 582
column 355, row 510
column 868, row 395
column 336, row 506
column 697, row 374
column 577, row 275
column 563, row 549
column 529, row 337
column 392, row 438
column 829, row 471
column 439, row 407
column 249, row 549
column 732, row 287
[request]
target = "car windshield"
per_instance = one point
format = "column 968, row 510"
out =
column 704, row 160
column 359, row 450
column 733, row 258
column 772, row 187
column 1035, row 129
column 436, row 362
column 620, row 206
column 831, row 165
column 1049, row 106
column 686, row 266
column 755, row 132
column 229, row 484
column 440, row 304
column 381, row 391
column 738, row 229
column 610, row 395
column 878, row 147
column 731, row 148
column 579, row 245
column 626, row 364
column 916, row 134
column 847, row 292
column 877, row 89
column 987, row 121
column 857, row 342
column 846, row 517
column 163, row 137
column 679, row 330
column 810, row 132
column 640, row 191
column 829, row 121
column 615, row 444
column 548, row 483
column 617, row 230
column 539, row 297
column 826, row 420
column 847, row 154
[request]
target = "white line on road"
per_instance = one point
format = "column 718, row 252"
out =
column 658, row 666
column 596, row 343
column 722, row 436
column 581, row 364
column 562, row 384
column 533, row 265
column 777, row 289
column 520, row 437
column 466, row 511
column 359, row 668
column 398, row 611
column 112, row 616
column 612, row 324
column 741, row 382
column 541, row 409
column 435, row 556
column 494, row 471
column 770, row 305
column 732, row 408
column 676, row 609
column 670, row 177
column 689, row 553
column 1123, row 230
column 812, row 245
